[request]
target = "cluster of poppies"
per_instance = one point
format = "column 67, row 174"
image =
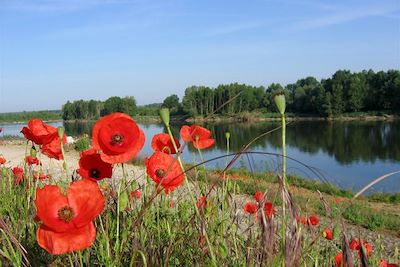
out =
column 67, row 215
column 356, row 245
column 45, row 136
column 252, row 207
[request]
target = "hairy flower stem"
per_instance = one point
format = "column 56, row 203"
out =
column 214, row 261
column 284, row 183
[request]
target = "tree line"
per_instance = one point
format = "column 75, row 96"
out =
column 47, row 115
column 343, row 92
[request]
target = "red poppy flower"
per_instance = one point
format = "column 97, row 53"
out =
column 328, row 234
column 338, row 259
column 354, row 244
column 313, row 220
column 269, row 210
column 163, row 168
column 384, row 263
column 67, row 218
column 258, row 196
column 136, row 194
column 118, row 137
column 2, row 160
column 199, row 136
column 92, row 167
column 41, row 176
column 301, row 219
column 201, row 202
column 81, row 204
column 251, row 207
column 63, row 242
column 39, row 132
column 18, row 174
column 32, row 161
column 53, row 149
column 162, row 142
column 368, row 248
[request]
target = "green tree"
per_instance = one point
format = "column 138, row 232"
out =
column 117, row 104
column 172, row 102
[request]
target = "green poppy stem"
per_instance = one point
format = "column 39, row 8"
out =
column 166, row 122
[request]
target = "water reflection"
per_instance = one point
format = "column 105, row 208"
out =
column 349, row 153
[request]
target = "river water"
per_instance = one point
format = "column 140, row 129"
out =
column 349, row 154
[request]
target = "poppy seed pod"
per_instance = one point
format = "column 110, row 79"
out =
column 164, row 114
column 280, row 103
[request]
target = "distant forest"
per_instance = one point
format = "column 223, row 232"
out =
column 47, row 115
column 342, row 93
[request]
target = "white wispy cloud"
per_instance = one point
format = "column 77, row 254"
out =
column 234, row 28
column 346, row 14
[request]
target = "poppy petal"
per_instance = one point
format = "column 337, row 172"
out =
column 49, row 201
column 185, row 133
column 60, row 243
column 202, row 144
column 86, row 199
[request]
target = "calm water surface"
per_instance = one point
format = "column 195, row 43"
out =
column 348, row 154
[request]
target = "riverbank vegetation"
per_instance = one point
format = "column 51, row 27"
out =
column 170, row 216
column 46, row 115
column 344, row 95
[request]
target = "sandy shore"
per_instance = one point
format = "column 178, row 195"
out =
column 15, row 152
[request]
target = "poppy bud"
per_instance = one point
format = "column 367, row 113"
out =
column 227, row 135
column 61, row 131
column 280, row 102
column 33, row 152
column 164, row 114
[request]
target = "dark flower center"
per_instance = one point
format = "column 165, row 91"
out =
column 66, row 213
column 160, row 173
column 94, row 173
column 117, row 139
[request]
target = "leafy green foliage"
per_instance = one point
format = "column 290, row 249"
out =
column 82, row 143
column 343, row 92
column 46, row 115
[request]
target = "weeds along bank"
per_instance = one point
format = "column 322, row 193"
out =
column 163, row 217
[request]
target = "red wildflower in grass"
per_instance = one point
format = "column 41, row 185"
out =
column 67, row 218
column 354, row 244
column 328, row 234
column 118, row 137
column 41, row 176
column 162, row 142
column 39, row 132
column 258, row 196
column 313, row 220
column 269, row 210
column 2, row 160
column 301, row 219
column 201, row 202
column 384, row 263
column 368, row 248
column 92, row 167
column 163, row 168
column 18, row 174
column 338, row 259
column 136, row 194
column 250, row 207
column 53, row 149
column 199, row 136
column 32, row 161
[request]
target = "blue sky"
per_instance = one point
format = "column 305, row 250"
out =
column 53, row 51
